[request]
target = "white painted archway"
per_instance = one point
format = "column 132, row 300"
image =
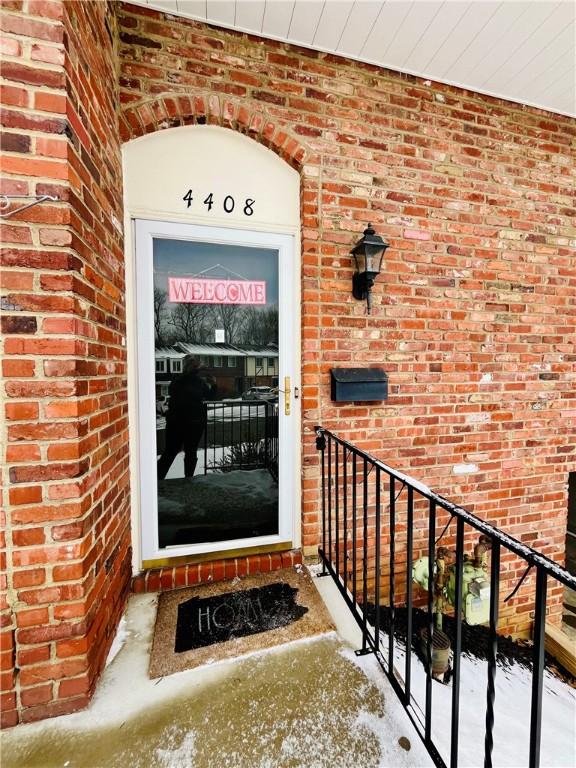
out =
column 212, row 178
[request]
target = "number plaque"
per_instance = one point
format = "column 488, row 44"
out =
column 228, row 204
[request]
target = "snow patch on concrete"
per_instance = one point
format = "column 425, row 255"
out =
column 179, row 757
column 122, row 634
column 314, row 569
column 390, row 754
column 395, row 720
column 125, row 689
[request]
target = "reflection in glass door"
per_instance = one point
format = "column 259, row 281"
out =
column 217, row 367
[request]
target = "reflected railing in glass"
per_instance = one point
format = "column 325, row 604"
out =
column 241, row 434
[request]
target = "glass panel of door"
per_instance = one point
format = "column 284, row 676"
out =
column 216, row 360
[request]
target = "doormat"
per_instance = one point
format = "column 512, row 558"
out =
column 201, row 625
column 207, row 620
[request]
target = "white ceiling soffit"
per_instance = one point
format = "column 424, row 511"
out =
column 519, row 51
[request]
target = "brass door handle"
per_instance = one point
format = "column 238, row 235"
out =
column 287, row 391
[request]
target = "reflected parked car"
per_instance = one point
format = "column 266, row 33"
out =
column 260, row 393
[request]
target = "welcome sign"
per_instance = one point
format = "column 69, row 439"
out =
column 200, row 290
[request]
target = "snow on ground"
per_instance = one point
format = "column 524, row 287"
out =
column 312, row 704
column 301, row 705
column 255, row 484
column 221, row 412
column 177, row 757
column 240, row 491
column 393, row 720
column 120, row 638
column 214, row 456
column 511, row 713
column 512, row 701
column 237, row 412
column 218, row 506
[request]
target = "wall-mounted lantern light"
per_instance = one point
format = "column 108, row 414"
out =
column 368, row 253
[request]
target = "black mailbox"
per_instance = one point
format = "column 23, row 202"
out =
column 349, row 385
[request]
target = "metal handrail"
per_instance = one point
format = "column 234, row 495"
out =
column 529, row 554
column 336, row 512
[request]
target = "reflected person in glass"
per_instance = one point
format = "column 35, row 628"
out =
column 186, row 417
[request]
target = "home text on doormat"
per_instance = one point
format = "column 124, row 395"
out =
column 215, row 619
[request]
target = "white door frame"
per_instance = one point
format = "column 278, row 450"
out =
column 288, row 426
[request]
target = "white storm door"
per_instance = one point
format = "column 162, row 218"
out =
column 216, row 355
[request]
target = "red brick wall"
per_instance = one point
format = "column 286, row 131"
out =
column 64, row 396
column 473, row 311
column 173, row 577
column 471, row 317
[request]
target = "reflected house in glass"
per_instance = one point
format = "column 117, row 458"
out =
column 168, row 364
column 234, row 368
column 235, row 485
column 260, row 366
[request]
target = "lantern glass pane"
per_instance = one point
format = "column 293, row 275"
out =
column 359, row 262
column 373, row 258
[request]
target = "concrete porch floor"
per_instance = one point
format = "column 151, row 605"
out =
column 307, row 704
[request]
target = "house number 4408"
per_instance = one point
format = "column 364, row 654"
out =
column 228, row 203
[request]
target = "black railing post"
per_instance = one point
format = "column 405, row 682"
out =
column 365, row 556
column 266, row 406
column 392, row 535
column 492, row 652
column 206, row 442
column 457, row 643
column 537, row 669
column 430, row 633
column 345, row 515
column 330, row 500
column 409, row 546
column 377, row 566
column 248, row 426
column 222, row 407
column 321, row 446
column 337, row 507
column 354, row 526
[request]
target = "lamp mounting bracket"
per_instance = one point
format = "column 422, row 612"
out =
column 5, row 202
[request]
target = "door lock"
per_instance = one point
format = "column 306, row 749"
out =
column 287, row 395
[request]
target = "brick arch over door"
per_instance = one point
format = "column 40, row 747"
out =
column 172, row 110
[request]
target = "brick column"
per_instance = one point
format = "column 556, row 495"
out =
column 67, row 548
